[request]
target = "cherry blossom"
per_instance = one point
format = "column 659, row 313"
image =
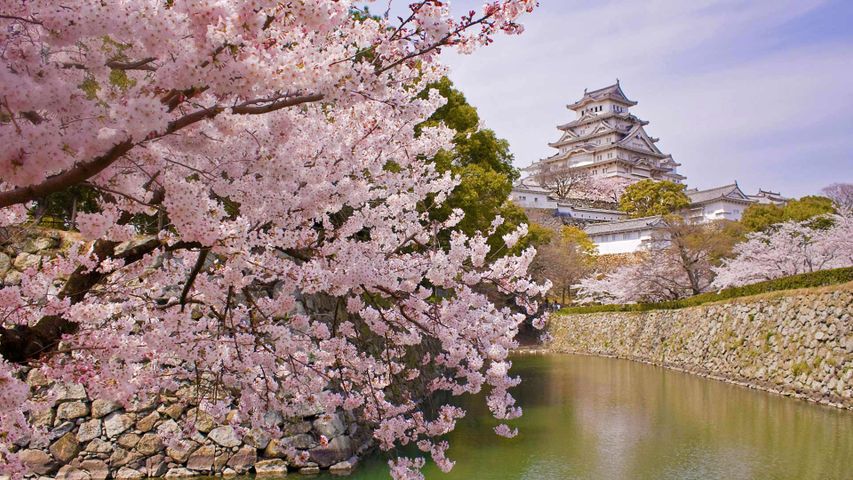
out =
column 789, row 248
column 273, row 147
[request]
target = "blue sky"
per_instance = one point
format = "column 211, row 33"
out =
column 755, row 91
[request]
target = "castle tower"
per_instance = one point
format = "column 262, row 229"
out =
column 606, row 140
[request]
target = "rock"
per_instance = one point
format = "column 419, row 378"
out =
column 144, row 404
column 274, row 467
column 38, row 461
column 330, row 425
column 66, row 448
column 220, row 460
column 303, row 441
column 101, row 408
column 122, row 457
column 174, row 410
column 296, row 428
column 65, row 392
column 229, row 473
column 202, row 420
column 69, row 472
column 72, row 410
column 202, row 458
column 224, row 436
column 274, row 449
column 149, row 444
column 180, row 451
column 169, row 430
column 98, row 469
column 244, row 459
column 147, row 422
column 117, row 423
column 342, row 468
column 5, row 264
column 89, row 430
column 156, row 466
column 61, row 430
column 179, row 472
column 99, row 446
column 125, row 473
column 35, row 377
column 257, row 438
column 128, row 440
column 337, row 450
column 34, row 245
column 26, row 260
column 310, row 470
column 42, row 418
column 13, row 277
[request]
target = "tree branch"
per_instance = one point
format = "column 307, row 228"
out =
column 87, row 170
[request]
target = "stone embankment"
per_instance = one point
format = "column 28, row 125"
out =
column 89, row 439
column 797, row 343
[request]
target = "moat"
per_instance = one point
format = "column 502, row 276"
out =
column 601, row 418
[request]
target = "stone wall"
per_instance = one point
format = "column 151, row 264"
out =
column 89, row 439
column 797, row 343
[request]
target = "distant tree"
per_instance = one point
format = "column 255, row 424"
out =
column 677, row 263
column 650, row 197
column 758, row 217
column 577, row 183
column 568, row 257
column 789, row 248
column 840, row 193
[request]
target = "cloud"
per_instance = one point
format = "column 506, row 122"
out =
column 731, row 92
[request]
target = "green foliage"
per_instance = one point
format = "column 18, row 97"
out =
column 483, row 163
column 758, row 217
column 58, row 210
column 649, row 197
column 806, row 280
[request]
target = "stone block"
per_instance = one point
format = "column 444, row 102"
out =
column 38, row 461
column 98, row 469
column 225, row 436
column 117, row 423
column 102, row 408
column 125, row 473
column 89, row 430
column 146, row 423
column 72, row 410
column 275, row 467
column 66, row 448
column 149, row 444
column 244, row 459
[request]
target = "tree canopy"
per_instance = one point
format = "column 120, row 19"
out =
column 758, row 216
column 649, row 197
column 483, row 163
column 292, row 264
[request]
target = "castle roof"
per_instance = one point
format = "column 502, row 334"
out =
column 622, row 226
column 612, row 92
column 728, row 192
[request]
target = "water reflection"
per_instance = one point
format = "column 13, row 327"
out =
column 597, row 418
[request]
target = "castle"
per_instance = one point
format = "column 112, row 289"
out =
column 606, row 142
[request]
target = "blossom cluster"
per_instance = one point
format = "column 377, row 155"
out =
column 790, row 248
column 275, row 144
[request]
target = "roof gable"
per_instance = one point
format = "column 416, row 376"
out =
column 638, row 139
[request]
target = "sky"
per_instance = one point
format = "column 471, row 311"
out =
column 758, row 91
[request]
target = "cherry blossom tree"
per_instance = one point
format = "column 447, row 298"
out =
column 577, row 183
column 677, row 262
column 790, row 248
column 840, row 193
column 273, row 146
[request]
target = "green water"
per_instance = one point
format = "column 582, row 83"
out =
column 599, row 418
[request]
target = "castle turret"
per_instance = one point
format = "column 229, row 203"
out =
column 607, row 140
